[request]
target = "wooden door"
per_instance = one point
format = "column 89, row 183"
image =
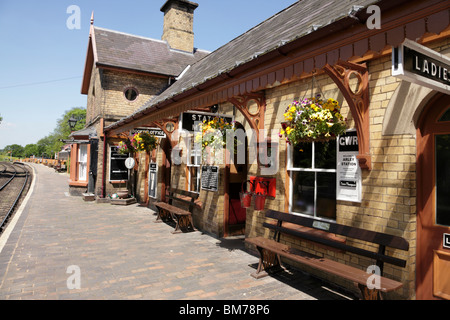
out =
column 433, row 201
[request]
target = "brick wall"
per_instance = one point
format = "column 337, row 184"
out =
column 388, row 190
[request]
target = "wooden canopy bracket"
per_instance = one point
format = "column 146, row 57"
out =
column 253, row 107
column 168, row 126
column 353, row 81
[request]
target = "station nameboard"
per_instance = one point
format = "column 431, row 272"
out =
column 421, row 65
column 157, row 132
column 191, row 118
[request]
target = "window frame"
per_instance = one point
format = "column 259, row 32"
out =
column 110, row 167
column 194, row 150
column 82, row 163
column 291, row 169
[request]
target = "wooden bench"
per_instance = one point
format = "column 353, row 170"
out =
column 324, row 234
column 175, row 209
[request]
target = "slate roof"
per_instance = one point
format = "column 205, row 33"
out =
column 117, row 49
column 296, row 21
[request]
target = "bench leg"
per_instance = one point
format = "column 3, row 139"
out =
column 184, row 222
column 269, row 262
column 369, row 294
column 163, row 215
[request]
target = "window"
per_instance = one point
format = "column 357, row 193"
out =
column 82, row 162
column 131, row 94
column 117, row 169
column 194, row 167
column 312, row 171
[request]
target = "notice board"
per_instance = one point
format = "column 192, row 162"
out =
column 348, row 179
column 210, row 178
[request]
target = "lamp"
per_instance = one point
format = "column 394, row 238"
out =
column 72, row 122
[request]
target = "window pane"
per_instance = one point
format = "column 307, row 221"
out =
column 445, row 116
column 82, row 159
column 325, row 155
column 326, row 195
column 302, row 155
column 303, row 192
column 443, row 179
column 194, row 177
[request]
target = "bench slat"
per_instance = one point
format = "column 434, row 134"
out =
column 348, row 231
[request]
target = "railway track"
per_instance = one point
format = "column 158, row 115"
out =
column 15, row 180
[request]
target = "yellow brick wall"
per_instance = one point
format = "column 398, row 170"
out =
column 388, row 190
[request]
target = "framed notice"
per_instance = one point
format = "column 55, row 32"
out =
column 210, row 178
column 348, row 172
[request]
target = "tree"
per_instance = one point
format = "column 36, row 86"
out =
column 30, row 150
column 52, row 143
column 17, row 150
column 1, row 119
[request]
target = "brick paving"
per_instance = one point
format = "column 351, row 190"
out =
column 121, row 254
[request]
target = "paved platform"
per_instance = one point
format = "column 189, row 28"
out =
column 57, row 242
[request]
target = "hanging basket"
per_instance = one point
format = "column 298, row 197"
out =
column 313, row 119
column 245, row 196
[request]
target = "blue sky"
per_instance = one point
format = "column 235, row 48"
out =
column 42, row 60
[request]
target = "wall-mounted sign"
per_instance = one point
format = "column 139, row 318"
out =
column 129, row 163
column 418, row 64
column 210, row 178
column 446, row 243
column 191, row 118
column 152, row 179
column 348, row 179
column 157, row 132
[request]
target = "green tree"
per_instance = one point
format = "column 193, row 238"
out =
column 52, row 144
column 30, row 150
column 17, row 150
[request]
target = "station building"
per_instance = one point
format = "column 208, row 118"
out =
column 386, row 63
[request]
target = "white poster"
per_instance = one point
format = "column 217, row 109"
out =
column 348, row 179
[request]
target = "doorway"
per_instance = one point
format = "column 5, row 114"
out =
column 236, row 215
column 433, row 201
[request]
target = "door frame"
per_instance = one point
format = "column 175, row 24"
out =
column 428, row 238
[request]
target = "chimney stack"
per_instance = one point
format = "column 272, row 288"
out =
column 179, row 24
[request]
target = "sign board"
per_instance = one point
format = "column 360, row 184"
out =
column 190, row 119
column 129, row 163
column 446, row 243
column 421, row 65
column 348, row 172
column 157, row 132
column 210, row 178
column 152, row 179
column 118, row 170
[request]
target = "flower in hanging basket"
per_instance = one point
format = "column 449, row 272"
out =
column 144, row 141
column 212, row 134
column 125, row 147
column 312, row 119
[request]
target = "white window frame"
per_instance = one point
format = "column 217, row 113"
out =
column 197, row 154
column 292, row 169
column 83, row 162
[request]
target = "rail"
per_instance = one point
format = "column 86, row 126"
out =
column 11, row 209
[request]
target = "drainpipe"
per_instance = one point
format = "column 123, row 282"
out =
column 102, row 124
